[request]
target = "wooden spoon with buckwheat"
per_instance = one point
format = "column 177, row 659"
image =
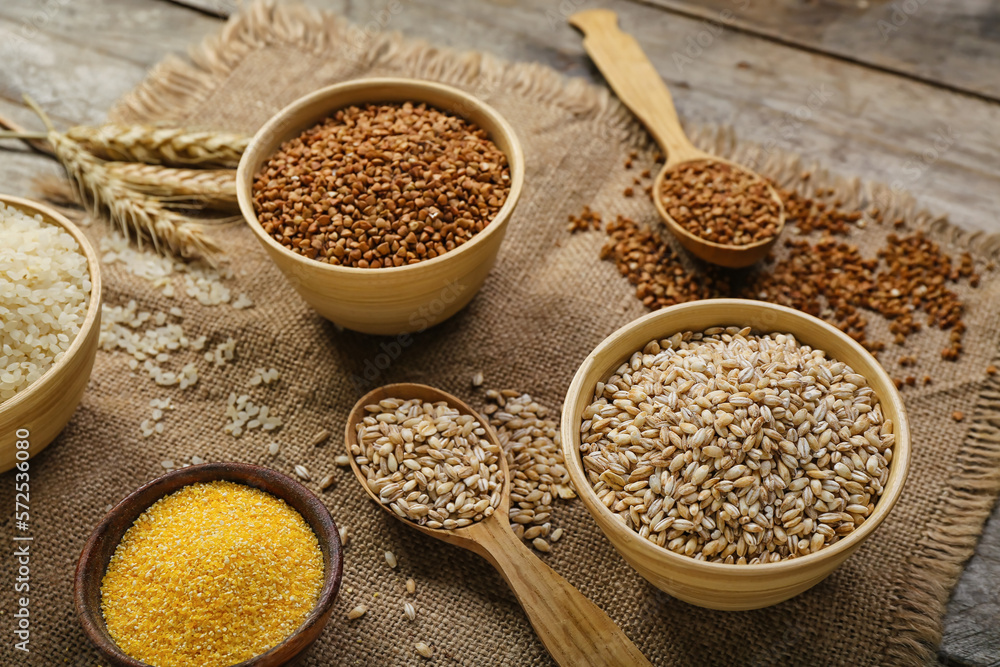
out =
column 720, row 211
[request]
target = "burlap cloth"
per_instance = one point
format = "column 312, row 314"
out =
column 547, row 303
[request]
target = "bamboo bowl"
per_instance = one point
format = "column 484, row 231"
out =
column 104, row 540
column 399, row 299
column 39, row 412
column 717, row 585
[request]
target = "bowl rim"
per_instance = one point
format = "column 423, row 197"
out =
column 571, row 451
column 679, row 229
column 325, row 530
column 93, row 313
column 244, row 178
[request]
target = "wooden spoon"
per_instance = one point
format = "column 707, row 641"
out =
column 573, row 629
column 639, row 86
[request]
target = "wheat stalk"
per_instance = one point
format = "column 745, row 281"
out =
column 214, row 188
column 136, row 213
column 104, row 187
column 156, row 145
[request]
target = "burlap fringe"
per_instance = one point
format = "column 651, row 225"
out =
column 176, row 86
column 960, row 514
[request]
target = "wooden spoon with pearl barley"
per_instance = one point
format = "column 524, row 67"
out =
column 573, row 629
column 638, row 85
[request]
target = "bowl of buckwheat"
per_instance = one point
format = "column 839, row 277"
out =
column 735, row 452
column 383, row 201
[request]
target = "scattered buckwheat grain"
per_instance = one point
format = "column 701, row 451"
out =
column 586, row 220
column 825, row 276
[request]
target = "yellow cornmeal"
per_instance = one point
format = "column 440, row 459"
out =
column 211, row 575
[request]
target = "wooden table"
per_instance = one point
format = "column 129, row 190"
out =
column 866, row 86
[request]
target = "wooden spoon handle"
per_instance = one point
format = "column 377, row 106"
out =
column 573, row 629
column 634, row 79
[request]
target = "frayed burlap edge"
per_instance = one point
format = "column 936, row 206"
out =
column 175, row 86
column 961, row 512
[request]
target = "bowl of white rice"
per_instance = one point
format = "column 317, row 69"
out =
column 50, row 314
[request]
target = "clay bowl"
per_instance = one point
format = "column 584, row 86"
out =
column 38, row 413
column 394, row 300
column 104, row 540
column 718, row 585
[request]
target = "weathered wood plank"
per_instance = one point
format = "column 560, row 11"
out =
column 952, row 44
column 135, row 32
column 75, row 59
column 972, row 626
column 68, row 80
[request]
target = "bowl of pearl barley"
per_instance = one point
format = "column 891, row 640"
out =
column 735, row 452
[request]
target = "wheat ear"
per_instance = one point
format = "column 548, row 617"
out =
column 166, row 146
column 137, row 214
column 213, row 188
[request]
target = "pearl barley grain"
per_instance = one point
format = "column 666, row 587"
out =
column 429, row 463
column 734, row 447
column 530, row 438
